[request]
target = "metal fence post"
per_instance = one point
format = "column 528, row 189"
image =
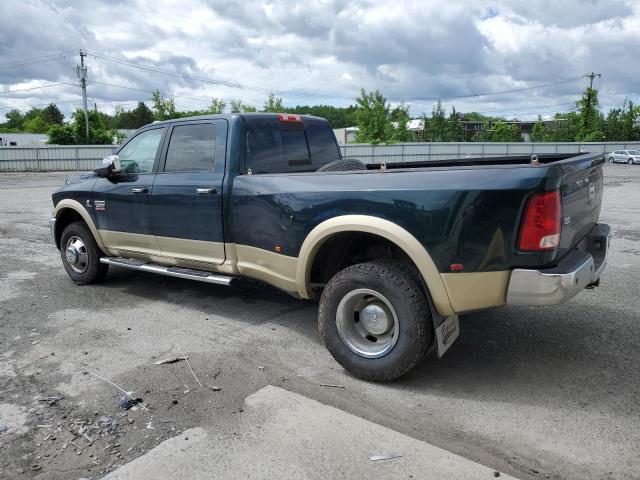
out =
column 402, row 152
column 429, row 152
column 37, row 159
column 77, row 158
column 507, row 150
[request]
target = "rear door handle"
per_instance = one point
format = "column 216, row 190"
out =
column 140, row 190
column 205, row 191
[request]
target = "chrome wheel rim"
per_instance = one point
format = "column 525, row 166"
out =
column 77, row 255
column 367, row 323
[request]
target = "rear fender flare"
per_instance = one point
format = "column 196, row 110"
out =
column 383, row 228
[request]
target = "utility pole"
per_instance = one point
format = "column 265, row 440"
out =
column 81, row 71
column 591, row 76
column 590, row 109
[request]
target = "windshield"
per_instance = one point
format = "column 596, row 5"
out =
column 634, row 152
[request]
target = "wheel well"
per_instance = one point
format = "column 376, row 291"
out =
column 64, row 218
column 349, row 248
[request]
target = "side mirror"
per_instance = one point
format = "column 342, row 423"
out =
column 110, row 166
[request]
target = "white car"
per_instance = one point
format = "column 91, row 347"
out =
column 624, row 156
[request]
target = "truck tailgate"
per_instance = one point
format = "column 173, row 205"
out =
column 581, row 192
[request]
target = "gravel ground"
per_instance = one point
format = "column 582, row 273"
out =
column 534, row 392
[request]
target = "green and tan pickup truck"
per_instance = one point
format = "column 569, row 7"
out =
column 393, row 253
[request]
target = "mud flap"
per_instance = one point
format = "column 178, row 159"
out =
column 447, row 333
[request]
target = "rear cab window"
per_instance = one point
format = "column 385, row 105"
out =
column 191, row 148
column 295, row 144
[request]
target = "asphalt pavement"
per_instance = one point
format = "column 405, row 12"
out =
column 535, row 393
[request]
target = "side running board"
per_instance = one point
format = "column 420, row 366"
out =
column 179, row 272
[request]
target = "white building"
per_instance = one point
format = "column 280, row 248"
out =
column 22, row 139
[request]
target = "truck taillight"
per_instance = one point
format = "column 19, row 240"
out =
column 540, row 230
column 287, row 117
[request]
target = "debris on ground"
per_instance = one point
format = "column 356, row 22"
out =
column 127, row 401
column 170, row 360
column 215, row 388
column 51, row 399
column 332, row 385
column 137, row 401
column 3, row 428
column 189, row 365
column 386, row 456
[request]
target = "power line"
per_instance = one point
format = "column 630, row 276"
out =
column 151, row 91
column 37, row 105
column 35, row 88
column 309, row 94
column 214, row 81
column 485, row 94
column 33, row 61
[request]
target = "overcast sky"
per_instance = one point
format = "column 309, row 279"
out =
column 324, row 51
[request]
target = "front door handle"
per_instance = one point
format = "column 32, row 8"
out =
column 205, row 191
column 140, row 190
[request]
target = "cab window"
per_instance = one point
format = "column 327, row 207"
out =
column 139, row 154
column 191, row 148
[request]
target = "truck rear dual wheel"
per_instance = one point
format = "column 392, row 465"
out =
column 375, row 320
column 81, row 255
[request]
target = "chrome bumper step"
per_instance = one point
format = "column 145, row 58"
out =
column 178, row 272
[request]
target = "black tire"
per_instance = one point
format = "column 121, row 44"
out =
column 415, row 333
column 95, row 272
column 610, row 159
column 630, row 161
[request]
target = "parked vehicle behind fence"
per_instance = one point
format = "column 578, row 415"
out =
column 624, row 156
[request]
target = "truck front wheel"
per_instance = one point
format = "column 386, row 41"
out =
column 81, row 255
column 375, row 320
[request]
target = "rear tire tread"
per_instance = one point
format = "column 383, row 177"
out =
column 402, row 278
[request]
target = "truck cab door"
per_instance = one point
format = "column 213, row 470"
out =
column 122, row 203
column 186, row 202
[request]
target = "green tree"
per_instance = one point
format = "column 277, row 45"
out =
column 372, row 118
column 400, row 117
column 453, row 129
column 538, row 133
column 238, row 107
column 338, row 117
column 52, row 115
column 589, row 117
column 217, row 105
column 273, row 104
column 15, row 119
column 163, row 108
column 62, row 135
column 502, row 131
column 436, row 127
column 629, row 117
column 36, row 125
column 141, row 116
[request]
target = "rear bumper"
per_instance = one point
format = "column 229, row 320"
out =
column 575, row 271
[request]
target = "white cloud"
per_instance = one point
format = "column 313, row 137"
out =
column 328, row 47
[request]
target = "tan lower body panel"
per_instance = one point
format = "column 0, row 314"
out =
column 473, row 291
column 274, row 268
column 466, row 291
column 192, row 250
column 135, row 242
